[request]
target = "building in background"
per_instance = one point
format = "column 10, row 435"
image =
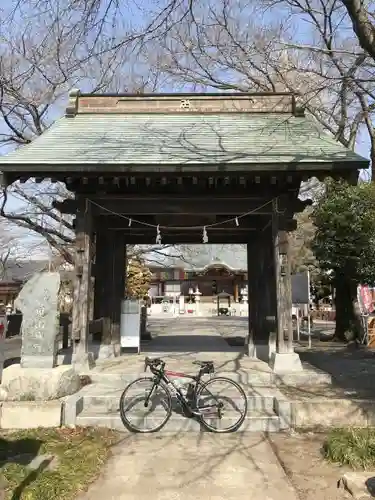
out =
column 214, row 269
column 14, row 274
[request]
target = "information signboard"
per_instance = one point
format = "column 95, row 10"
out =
column 130, row 326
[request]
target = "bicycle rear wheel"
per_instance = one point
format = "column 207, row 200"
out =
column 144, row 406
column 221, row 391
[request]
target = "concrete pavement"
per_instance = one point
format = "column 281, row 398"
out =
column 186, row 335
column 190, row 467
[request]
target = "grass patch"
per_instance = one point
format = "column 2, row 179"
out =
column 78, row 454
column 354, row 447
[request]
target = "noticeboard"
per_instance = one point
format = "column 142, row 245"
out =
column 130, row 327
column 301, row 288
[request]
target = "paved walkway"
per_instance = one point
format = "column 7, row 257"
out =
column 180, row 341
column 186, row 335
column 204, row 466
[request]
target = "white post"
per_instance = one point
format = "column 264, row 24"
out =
column 298, row 324
column 244, row 293
column 197, row 295
column 308, row 310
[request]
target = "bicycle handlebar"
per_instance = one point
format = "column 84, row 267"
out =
column 153, row 363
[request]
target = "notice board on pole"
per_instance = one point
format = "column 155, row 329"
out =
column 301, row 288
column 130, row 325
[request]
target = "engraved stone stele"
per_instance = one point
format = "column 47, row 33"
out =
column 38, row 301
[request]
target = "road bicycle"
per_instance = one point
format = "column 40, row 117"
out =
column 148, row 398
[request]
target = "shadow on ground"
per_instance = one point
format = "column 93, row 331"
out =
column 190, row 343
column 22, row 452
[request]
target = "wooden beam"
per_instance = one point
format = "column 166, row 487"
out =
column 134, row 229
column 184, row 224
column 168, row 205
column 185, row 238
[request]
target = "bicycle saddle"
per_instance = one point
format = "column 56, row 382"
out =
column 203, row 363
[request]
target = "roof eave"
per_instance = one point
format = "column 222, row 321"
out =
column 70, row 168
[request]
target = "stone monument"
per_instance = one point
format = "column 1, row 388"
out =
column 38, row 378
column 38, row 302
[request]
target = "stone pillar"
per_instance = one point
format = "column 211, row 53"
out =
column 285, row 359
column 82, row 285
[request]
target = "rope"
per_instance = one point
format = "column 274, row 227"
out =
column 204, row 227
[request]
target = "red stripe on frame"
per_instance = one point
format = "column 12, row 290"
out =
column 177, row 374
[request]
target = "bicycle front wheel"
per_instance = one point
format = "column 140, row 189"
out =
column 144, row 406
column 223, row 405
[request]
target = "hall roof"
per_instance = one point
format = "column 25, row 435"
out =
column 174, row 132
column 201, row 257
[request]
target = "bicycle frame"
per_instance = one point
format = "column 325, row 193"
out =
column 163, row 375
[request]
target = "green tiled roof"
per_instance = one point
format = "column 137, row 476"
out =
column 197, row 257
column 144, row 139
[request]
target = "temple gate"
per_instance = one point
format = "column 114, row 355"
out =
column 183, row 168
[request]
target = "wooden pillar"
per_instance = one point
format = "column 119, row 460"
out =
column 235, row 291
column 286, row 289
column 251, row 300
column 103, row 282
column 117, row 283
column 283, row 285
column 83, row 258
column 262, row 302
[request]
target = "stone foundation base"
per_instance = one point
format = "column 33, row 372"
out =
column 35, row 361
column 38, row 384
column 285, row 362
column 83, row 362
column 264, row 352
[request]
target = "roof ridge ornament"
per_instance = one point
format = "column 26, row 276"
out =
column 298, row 110
column 72, row 107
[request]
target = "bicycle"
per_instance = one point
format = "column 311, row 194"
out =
column 156, row 393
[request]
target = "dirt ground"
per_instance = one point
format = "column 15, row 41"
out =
column 312, row 477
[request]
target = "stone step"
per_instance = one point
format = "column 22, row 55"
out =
column 110, row 402
column 253, row 379
column 254, row 422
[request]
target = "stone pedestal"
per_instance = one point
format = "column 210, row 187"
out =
column 285, row 362
column 83, row 361
column 39, row 384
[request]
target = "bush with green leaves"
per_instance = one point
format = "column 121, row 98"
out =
column 344, row 243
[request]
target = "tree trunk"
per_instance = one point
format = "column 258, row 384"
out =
column 347, row 322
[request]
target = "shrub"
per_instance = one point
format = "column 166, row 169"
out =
column 354, row 447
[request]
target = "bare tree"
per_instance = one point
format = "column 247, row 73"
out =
column 15, row 246
column 243, row 46
column 363, row 21
column 48, row 47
